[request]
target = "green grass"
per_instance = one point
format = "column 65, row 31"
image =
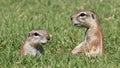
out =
column 18, row 17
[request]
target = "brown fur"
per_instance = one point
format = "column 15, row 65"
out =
column 33, row 43
column 94, row 40
column 22, row 51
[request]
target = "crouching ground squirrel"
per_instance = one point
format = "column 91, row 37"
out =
column 93, row 43
column 33, row 43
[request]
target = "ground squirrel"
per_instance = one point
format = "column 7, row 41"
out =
column 33, row 43
column 93, row 43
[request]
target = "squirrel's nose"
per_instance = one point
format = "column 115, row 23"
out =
column 48, row 38
column 71, row 18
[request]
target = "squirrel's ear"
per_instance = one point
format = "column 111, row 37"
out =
column 93, row 16
column 28, row 35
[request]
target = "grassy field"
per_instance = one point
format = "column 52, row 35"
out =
column 18, row 17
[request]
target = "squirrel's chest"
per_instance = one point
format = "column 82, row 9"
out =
column 30, row 50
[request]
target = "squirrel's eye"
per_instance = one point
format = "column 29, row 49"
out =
column 82, row 14
column 36, row 34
